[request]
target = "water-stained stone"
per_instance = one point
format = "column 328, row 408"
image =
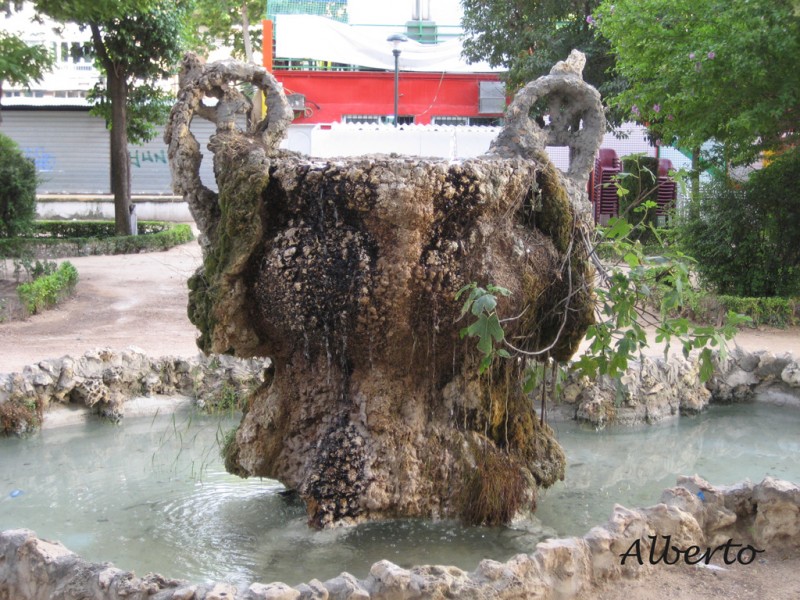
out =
column 344, row 273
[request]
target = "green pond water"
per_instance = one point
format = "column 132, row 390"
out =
column 151, row 495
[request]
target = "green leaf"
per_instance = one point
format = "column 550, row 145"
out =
column 620, row 228
column 485, row 303
column 469, row 286
column 706, row 365
column 632, row 260
column 496, row 289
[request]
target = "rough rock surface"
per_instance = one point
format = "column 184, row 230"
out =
column 694, row 513
column 344, row 273
column 103, row 380
column 656, row 388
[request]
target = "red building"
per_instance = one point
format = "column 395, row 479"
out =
column 368, row 96
column 340, row 94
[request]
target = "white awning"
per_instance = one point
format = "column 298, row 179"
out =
column 318, row 38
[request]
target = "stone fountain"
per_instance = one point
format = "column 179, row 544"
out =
column 344, row 273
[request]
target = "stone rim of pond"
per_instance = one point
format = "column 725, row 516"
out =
column 692, row 514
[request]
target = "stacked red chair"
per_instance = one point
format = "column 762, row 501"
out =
column 603, row 191
column 667, row 188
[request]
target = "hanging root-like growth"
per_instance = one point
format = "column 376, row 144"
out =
column 344, row 273
column 494, row 490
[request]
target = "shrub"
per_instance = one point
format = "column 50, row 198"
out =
column 58, row 238
column 746, row 237
column 638, row 185
column 17, row 189
column 18, row 417
column 48, row 290
column 775, row 311
column 91, row 229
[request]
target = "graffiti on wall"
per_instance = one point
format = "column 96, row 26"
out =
column 45, row 161
column 141, row 156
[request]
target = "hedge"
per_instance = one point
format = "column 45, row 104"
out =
column 90, row 229
column 48, row 290
column 53, row 239
column 775, row 311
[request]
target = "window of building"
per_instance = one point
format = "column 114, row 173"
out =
column 450, row 120
column 362, row 119
column 492, row 97
column 76, row 53
column 474, row 121
column 376, row 119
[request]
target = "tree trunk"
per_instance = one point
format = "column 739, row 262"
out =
column 694, row 202
column 120, row 158
column 117, row 88
column 248, row 46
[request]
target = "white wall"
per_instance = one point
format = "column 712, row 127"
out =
column 175, row 209
column 397, row 12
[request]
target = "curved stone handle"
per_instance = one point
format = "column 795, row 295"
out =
column 576, row 115
column 216, row 80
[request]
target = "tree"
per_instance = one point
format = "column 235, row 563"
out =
column 529, row 36
column 746, row 235
column 228, row 22
column 17, row 189
column 20, row 63
column 136, row 44
column 701, row 70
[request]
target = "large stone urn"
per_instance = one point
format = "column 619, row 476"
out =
column 344, row 272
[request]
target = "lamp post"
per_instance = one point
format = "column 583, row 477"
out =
column 396, row 39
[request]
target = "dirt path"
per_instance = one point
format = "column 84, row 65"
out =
column 141, row 300
column 122, row 300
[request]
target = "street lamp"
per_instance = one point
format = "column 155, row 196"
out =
column 396, row 39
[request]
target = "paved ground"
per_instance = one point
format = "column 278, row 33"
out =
column 141, row 300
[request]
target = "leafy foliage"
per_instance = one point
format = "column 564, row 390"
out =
column 702, row 70
column 21, row 63
column 148, row 107
column 482, row 303
column 774, row 311
column 626, row 305
column 220, row 22
column 746, row 236
column 636, row 293
column 135, row 43
column 79, row 238
column 48, row 290
column 17, row 190
column 92, row 229
column 529, row 37
column 33, row 268
column 86, row 11
column 144, row 46
column 637, row 187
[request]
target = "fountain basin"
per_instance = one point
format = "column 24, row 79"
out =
column 152, row 495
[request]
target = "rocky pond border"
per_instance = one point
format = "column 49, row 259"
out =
column 104, row 380
column 650, row 391
column 693, row 520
